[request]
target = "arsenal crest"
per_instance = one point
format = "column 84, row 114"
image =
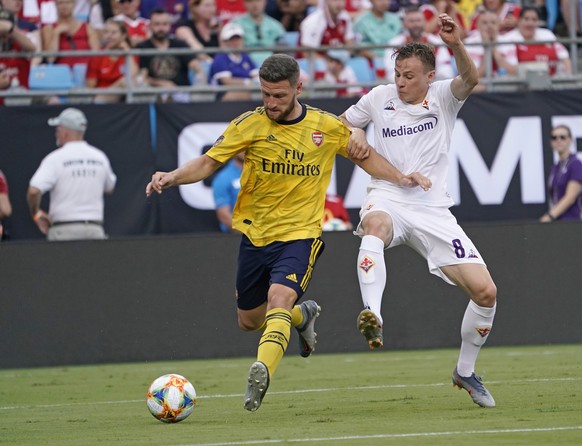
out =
column 317, row 138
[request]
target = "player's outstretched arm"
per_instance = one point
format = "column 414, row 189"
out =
column 379, row 167
column 468, row 76
column 191, row 172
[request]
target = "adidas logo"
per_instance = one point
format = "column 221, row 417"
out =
column 292, row 277
column 271, row 138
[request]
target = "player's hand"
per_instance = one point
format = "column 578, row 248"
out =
column 159, row 182
column 358, row 147
column 450, row 31
column 417, row 179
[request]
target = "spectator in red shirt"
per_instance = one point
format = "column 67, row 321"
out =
column 14, row 36
column 229, row 9
column 109, row 71
column 552, row 53
column 508, row 14
column 329, row 25
column 67, row 34
column 137, row 27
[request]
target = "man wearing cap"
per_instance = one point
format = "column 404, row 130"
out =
column 77, row 175
column 234, row 66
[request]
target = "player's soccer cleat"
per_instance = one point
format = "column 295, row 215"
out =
column 257, row 385
column 307, row 334
column 475, row 387
column 370, row 327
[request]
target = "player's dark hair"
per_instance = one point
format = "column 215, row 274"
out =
column 280, row 67
column 416, row 49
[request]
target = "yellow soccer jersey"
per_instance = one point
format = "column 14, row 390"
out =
column 286, row 172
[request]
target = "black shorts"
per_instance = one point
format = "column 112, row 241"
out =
column 286, row 263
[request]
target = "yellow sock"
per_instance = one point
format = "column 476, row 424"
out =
column 274, row 339
column 296, row 316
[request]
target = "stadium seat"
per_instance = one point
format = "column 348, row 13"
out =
column 290, row 39
column 318, row 66
column 79, row 73
column 50, row 77
column 206, row 67
column 362, row 69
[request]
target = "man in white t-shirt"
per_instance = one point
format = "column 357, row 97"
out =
column 413, row 122
column 76, row 175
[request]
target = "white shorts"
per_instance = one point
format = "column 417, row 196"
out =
column 433, row 232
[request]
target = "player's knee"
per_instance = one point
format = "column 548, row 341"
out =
column 486, row 296
column 379, row 224
column 247, row 325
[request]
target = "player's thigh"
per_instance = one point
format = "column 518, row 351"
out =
column 475, row 279
column 252, row 277
column 376, row 218
column 292, row 264
column 435, row 234
column 289, row 264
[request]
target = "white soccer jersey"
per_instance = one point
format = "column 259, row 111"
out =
column 414, row 138
column 76, row 175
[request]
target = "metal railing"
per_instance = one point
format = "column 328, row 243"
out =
column 141, row 93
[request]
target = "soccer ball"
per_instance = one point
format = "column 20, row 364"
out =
column 171, row 398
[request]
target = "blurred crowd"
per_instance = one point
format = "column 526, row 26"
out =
column 345, row 44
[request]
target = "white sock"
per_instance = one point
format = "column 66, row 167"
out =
column 475, row 329
column 372, row 273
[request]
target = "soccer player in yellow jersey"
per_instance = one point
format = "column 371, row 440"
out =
column 289, row 151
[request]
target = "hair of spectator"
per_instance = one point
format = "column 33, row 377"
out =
column 121, row 27
column 158, row 11
column 416, row 49
column 280, row 67
column 410, row 9
column 527, row 8
column 565, row 127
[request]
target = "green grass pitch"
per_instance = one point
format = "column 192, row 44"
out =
column 369, row 398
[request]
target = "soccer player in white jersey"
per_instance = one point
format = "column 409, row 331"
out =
column 413, row 121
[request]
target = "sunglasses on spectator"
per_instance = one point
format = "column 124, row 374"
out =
column 124, row 1
column 562, row 137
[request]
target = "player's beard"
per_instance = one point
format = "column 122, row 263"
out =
column 283, row 114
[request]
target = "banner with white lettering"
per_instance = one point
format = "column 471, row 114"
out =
column 499, row 159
